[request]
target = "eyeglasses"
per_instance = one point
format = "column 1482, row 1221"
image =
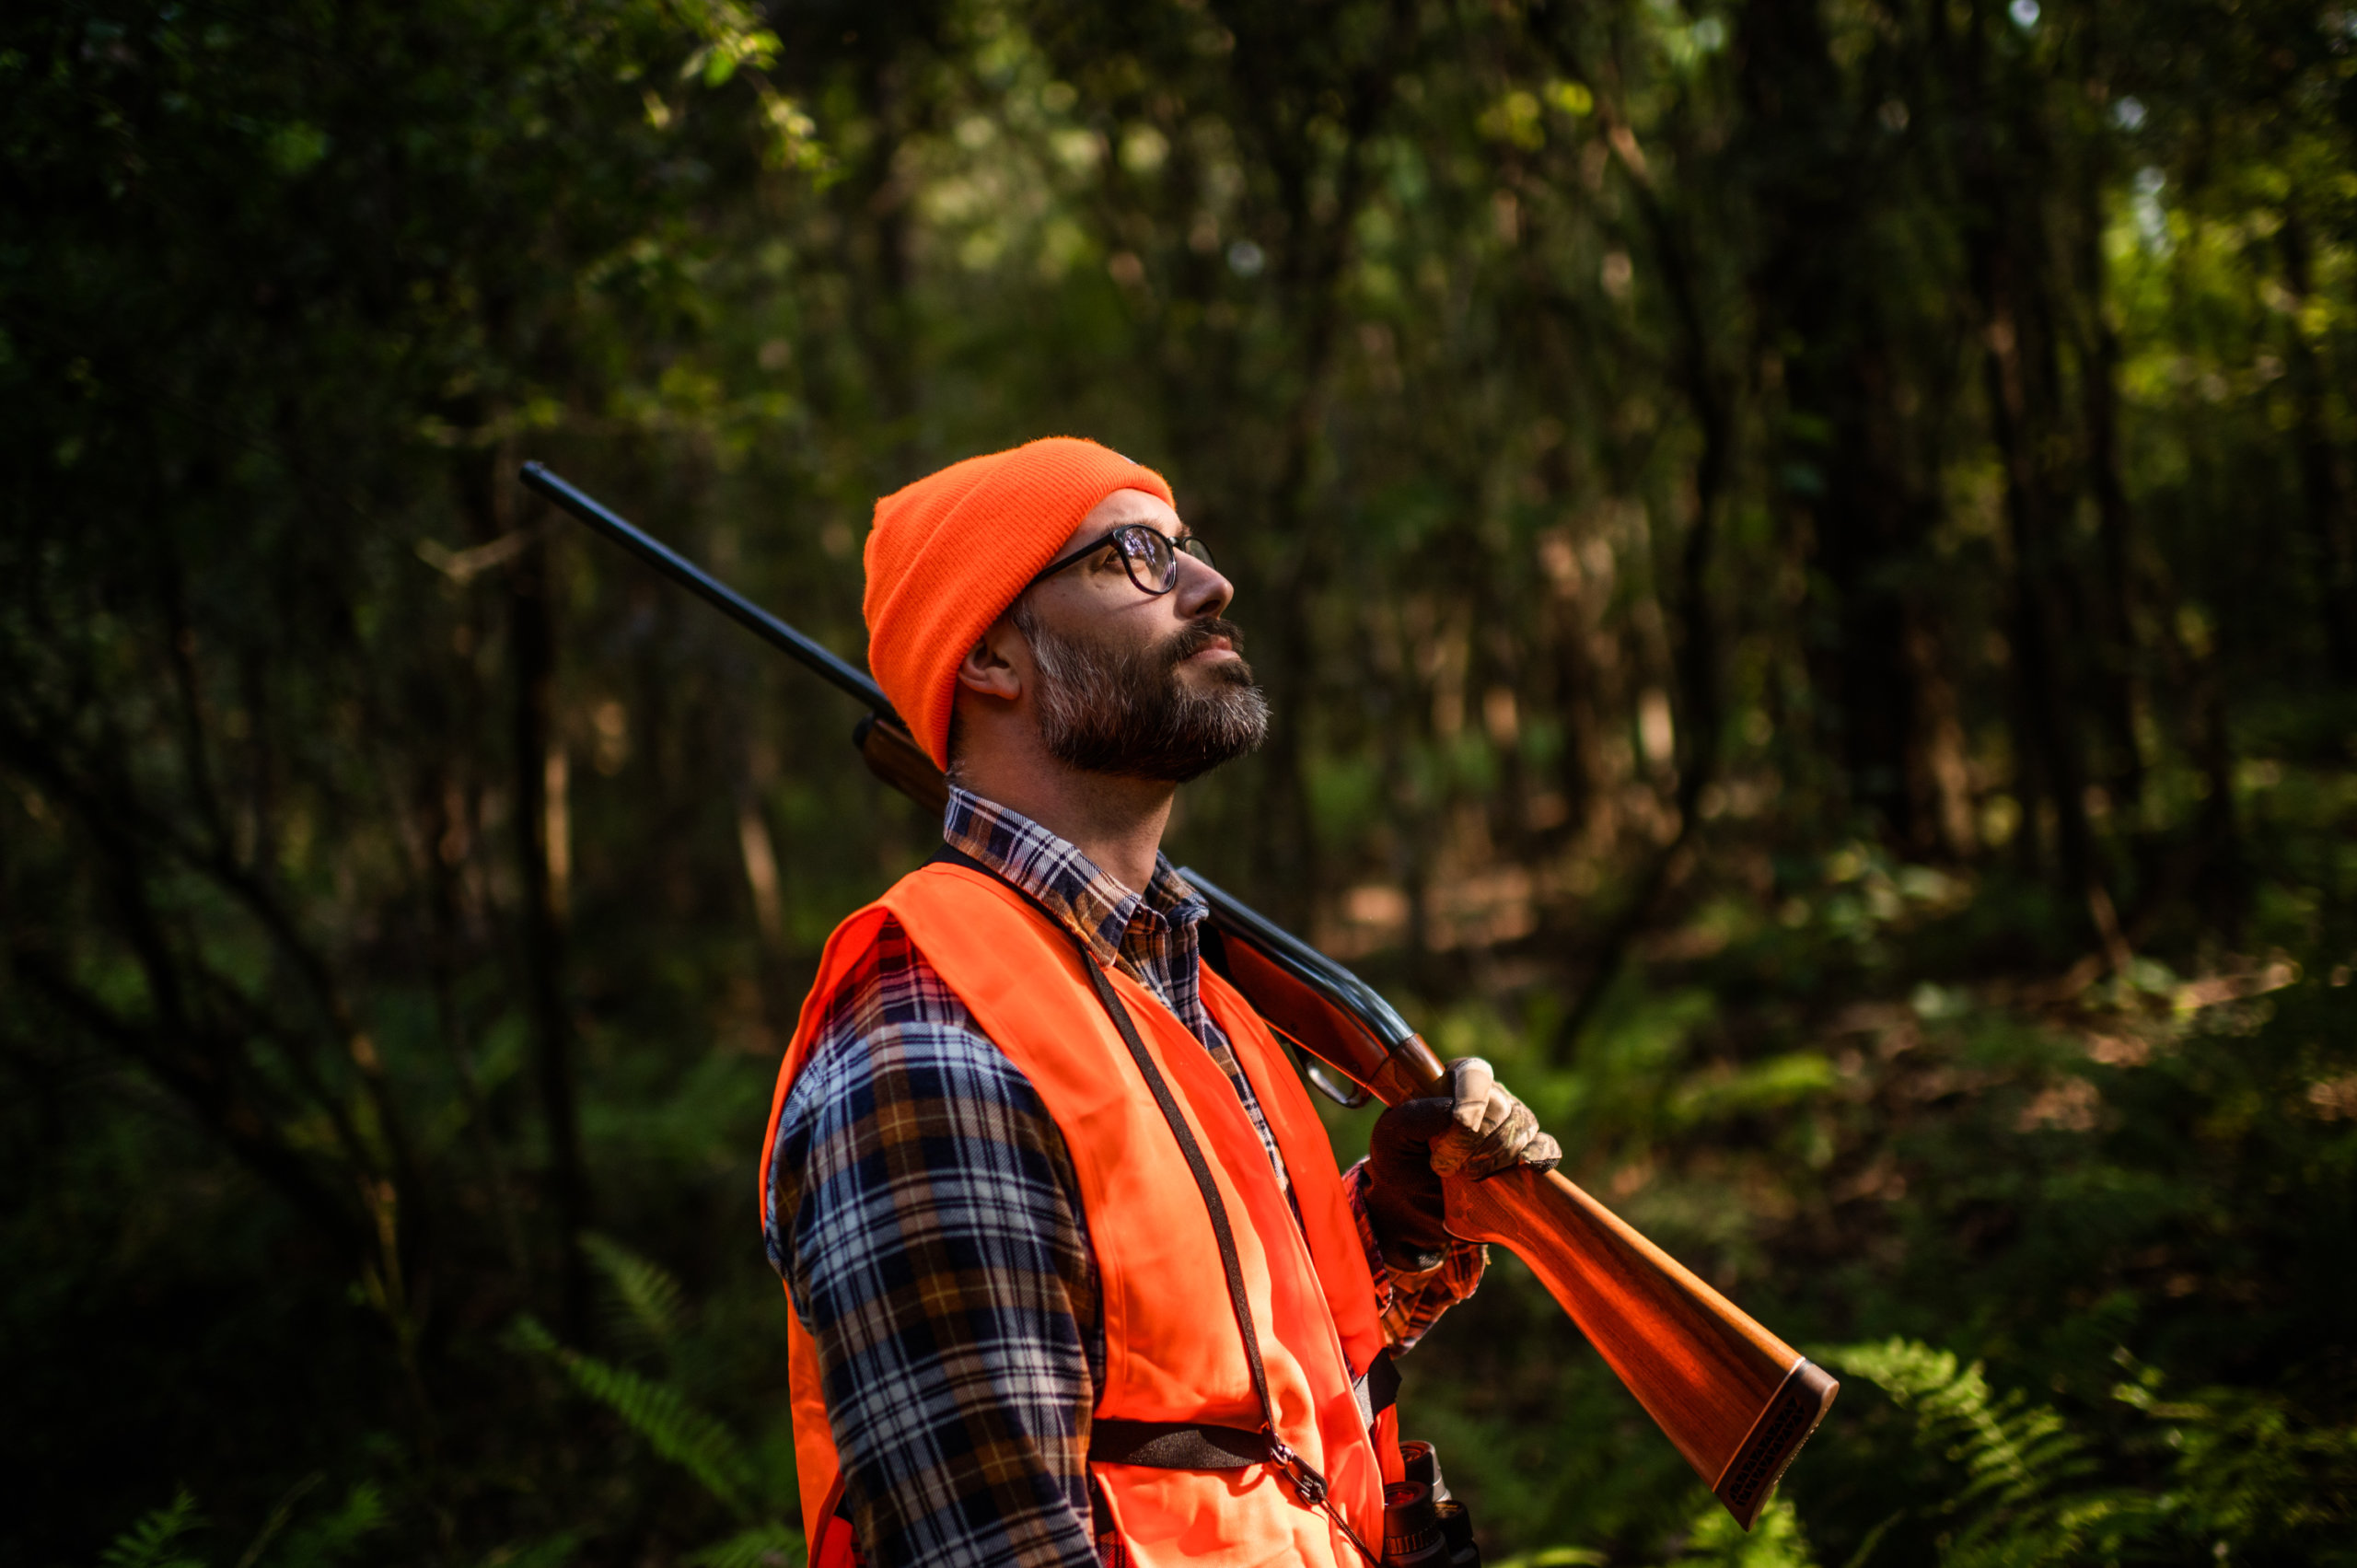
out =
column 1148, row 554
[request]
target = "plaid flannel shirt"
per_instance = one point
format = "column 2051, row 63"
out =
column 923, row 1211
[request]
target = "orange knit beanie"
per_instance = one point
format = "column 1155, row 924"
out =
column 951, row 552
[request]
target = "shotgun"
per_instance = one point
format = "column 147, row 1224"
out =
column 1737, row 1401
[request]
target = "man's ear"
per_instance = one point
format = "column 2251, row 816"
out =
column 998, row 664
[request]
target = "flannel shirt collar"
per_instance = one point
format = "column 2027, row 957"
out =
column 1114, row 922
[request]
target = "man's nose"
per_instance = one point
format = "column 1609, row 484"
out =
column 1202, row 590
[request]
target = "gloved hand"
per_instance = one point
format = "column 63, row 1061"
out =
column 1475, row 1129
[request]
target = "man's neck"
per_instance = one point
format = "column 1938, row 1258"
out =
column 1116, row 822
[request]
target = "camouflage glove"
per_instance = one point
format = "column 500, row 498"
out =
column 1475, row 1129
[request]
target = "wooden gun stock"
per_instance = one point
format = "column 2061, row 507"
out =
column 1737, row 1400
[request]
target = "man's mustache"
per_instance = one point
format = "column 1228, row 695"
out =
column 1201, row 635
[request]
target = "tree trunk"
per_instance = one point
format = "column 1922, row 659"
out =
column 533, row 654
column 1846, row 495
column 2115, row 522
column 2324, row 478
column 2005, row 244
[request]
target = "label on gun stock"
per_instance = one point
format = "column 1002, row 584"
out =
column 1800, row 1403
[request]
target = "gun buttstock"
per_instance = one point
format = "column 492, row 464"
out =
column 1737, row 1401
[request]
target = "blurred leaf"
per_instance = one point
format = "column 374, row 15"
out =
column 659, row 1412
column 152, row 1540
column 647, row 1301
column 763, row 1545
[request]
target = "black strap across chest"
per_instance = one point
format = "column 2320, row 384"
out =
column 1184, row 1444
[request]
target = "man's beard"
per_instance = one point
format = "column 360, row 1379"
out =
column 1129, row 712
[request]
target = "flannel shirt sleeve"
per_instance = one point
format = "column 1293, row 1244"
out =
column 1412, row 1302
column 924, row 1215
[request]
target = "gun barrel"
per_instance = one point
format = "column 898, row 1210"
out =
column 1306, row 963
column 695, row 579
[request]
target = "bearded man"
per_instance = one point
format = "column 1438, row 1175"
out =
column 1075, row 1278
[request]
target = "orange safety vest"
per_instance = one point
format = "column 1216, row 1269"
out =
column 1173, row 1349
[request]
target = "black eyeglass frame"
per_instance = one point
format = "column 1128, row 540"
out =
column 1190, row 544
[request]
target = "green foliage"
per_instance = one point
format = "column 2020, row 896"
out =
column 2023, row 1499
column 332, row 1539
column 659, row 1412
column 647, row 1303
column 1774, row 1542
column 2250, row 1471
column 763, row 1545
column 152, row 1540
column 327, row 1541
column 2248, row 1478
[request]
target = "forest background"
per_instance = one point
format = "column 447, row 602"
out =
column 1804, row 553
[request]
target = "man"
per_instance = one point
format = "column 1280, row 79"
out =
column 1037, row 1176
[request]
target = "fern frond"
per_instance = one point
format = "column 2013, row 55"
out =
column 148, row 1543
column 646, row 1302
column 2248, row 1469
column 657, row 1412
column 2013, row 1451
column 327, row 1542
column 763, row 1545
column 1715, row 1540
column 2020, row 1461
column 1874, row 1539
